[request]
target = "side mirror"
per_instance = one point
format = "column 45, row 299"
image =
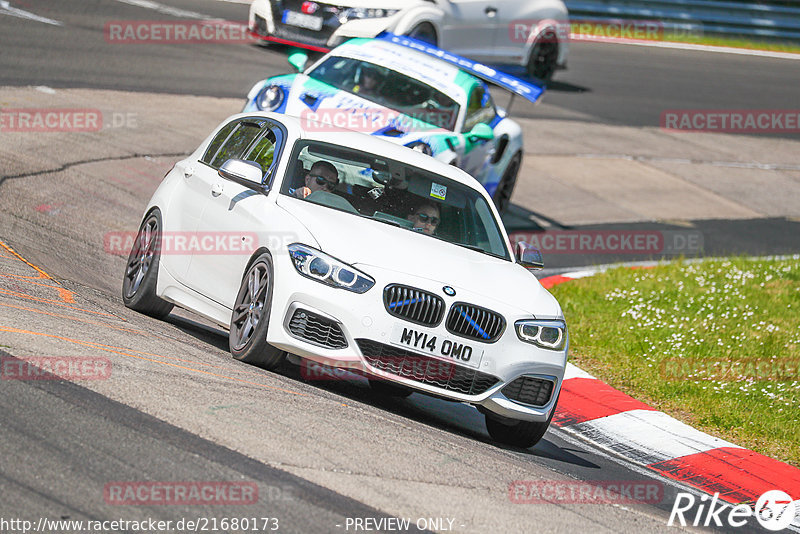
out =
column 481, row 131
column 298, row 59
column 529, row 256
column 247, row 173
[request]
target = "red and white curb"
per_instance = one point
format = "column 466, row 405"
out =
column 625, row 427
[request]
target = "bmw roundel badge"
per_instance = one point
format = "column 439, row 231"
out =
column 449, row 291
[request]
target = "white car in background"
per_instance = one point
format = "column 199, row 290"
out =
column 338, row 268
column 530, row 33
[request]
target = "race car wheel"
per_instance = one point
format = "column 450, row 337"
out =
column 424, row 32
column 389, row 389
column 502, row 195
column 250, row 317
column 141, row 271
column 544, row 56
column 518, row 433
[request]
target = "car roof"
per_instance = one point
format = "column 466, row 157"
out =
column 437, row 73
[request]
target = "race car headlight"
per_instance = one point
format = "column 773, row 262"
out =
column 550, row 335
column 365, row 13
column 270, row 98
column 325, row 269
column 419, row 146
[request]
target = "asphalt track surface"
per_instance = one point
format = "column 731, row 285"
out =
column 340, row 451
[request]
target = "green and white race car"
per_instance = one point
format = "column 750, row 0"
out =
column 413, row 94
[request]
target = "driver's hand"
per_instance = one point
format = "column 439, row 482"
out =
column 303, row 192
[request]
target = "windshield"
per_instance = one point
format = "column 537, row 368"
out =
column 393, row 193
column 390, row 89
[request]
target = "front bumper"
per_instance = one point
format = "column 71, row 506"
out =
column 266, row 23
column 354, row 331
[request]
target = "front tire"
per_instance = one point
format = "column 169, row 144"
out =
column 250, row 317
column 502, row 195
column 141, row 271
column 522, row 434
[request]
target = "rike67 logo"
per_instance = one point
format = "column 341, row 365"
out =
column 775, row 510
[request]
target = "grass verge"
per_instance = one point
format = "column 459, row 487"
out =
column 601, row 30
column 715, row 344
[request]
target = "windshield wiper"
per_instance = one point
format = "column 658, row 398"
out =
column 481, row 250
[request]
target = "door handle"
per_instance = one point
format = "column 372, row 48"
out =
column 217, row 188
column 490, row 11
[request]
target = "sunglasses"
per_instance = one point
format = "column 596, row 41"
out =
column 428, row 219
column 321, row 180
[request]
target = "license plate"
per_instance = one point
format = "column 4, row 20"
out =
column 437, row 346
column 301, row 20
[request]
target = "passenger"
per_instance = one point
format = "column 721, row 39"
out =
column 323, row 176
column 425, row 217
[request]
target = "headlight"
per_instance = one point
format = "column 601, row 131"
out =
column 419, row 146
column 546, row 334
column 270, row 98
column 318, row 266
column 365, row 13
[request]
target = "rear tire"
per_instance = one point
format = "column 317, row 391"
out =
column 389, row 389
column 141, row 271
column 544, row 56
column 522, row 434
column 250, row 317
column 502, row 195
column 424, row 32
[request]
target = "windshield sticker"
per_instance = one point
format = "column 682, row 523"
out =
column 438, row 191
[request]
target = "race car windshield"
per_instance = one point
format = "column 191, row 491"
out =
column 393, row 193
column 390, row 89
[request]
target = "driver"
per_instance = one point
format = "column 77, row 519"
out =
column 323, row 176
column 369, row 82
column 426, row 217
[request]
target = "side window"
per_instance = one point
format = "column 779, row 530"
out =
column 231, row 141
column 263, row 150
column 480, row 107
column 223, row 134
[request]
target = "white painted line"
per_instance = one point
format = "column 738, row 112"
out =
column 647, row 437
column 580, row 274
column 687, row 46
column 46, row 90
column 166, row 10
column 6, row 9
column 576, row 372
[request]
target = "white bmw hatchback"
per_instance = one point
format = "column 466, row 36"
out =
column 347, row 250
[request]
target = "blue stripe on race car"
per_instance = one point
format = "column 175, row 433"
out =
column 527, row 90
column 315, row 100
column 495, row 121
column 389, row 131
